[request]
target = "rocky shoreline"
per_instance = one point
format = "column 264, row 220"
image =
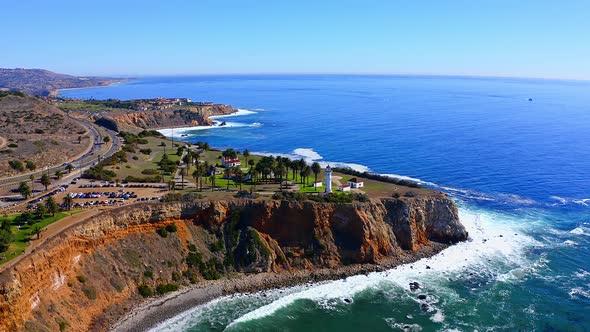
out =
column 155, row 311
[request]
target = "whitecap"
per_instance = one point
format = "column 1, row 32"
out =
column 239, row 112
column 578, row 292
column 307, row 153
column 494, row 243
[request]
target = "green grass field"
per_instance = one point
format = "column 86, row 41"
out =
column 23, row 234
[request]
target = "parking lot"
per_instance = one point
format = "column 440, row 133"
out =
column 88, row 193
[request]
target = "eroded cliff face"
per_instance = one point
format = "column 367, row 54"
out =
column 194, row 116
column 90, row 274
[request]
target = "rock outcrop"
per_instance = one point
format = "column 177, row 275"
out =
column 193, row 116
column 89, row 275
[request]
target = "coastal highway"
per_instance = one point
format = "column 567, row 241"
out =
column 90, row 158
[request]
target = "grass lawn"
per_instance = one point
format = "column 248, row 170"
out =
column 23, row 234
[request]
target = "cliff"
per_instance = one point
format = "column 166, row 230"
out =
column 194, row 116
column 88, row 276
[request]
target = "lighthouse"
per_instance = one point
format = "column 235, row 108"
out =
column 328, row 179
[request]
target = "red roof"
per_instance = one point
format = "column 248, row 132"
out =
column 355, row 180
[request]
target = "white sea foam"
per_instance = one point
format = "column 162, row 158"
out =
column 307, row 153
column 310, row 156
column 240, row 112
column 496, row 240
column 177, row 132
column 578, row 292
column 581, row 230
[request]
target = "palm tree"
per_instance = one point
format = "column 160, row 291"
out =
column 183, row 171
column 239, row 176
column 246, row 154
column 59, row 174
column 32, row 177
column 36, row 231
column 300, row 165
column 197, row 174
column 171, row 185
column 305, row 172
column 69, row 168
column 24, row 190
column 51, row 205
column 228, row 172
column 68, row 201
column 316, row 169
column 45, row 181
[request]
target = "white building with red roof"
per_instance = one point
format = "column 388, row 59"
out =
column 230, row 162
column 356, row 183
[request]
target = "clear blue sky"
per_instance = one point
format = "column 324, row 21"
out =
column 525, row 38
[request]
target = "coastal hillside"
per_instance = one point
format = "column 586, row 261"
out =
column 93, row 274
column 44, row 82
column 34, row 134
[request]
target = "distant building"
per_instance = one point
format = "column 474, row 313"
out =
column 230, row 162
column 328, row 179
column 344, row 188
column 356, row 183
column 317, row 184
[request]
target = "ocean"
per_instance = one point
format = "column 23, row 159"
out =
column 513, row 153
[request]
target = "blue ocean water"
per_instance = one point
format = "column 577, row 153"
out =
column 518, row 168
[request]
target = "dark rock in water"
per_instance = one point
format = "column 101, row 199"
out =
column 348, row 300
column 424, row 307
column 223, row 124
column 501, row 235
column 427, row 267
column 422, row 297
column 530, row 99
column 414, row 286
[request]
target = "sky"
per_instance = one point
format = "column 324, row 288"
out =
column 518, row 38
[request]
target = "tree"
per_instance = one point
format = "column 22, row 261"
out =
column 32, row 177
column 171, row 185
column 24, row 190
column 230, row 153
column 316, row 169
column 6, row 235
column 300, row 165
column 30, row 165
column 228, row 173
column 41, row 210
column 305, row 173
column 197, row 174
column 58, row 174
column 36, row 231
column 68, row 201
column 183, row 171
column 238, row 176
column 45, row 181
column 246, row 154
column 69, row 168
column 51, row 205
column 106, row 139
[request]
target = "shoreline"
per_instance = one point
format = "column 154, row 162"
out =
column 92, row 87
column 155, row 311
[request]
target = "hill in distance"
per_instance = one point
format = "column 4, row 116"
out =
column 44, row 82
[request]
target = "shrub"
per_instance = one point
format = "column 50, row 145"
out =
column 13, row 145
column 128, row 148
column 81, row 279
column 171, row 228
column 162, row 231
column 145, row 290
column 17, row 165
column 146, row 151
column 162, row 289
column 90, row 292
column 135, row 158
column 410, row 194
column 30, row 165
column 150, row 171
column 396, row 195
column 148, row 274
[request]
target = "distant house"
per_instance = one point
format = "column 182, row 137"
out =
column 356, row 183
column 230, row 162
column 344, row 188
column 317, row 184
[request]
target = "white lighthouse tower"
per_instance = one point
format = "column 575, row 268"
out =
column 328, row 179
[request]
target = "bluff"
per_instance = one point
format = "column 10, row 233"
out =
column 88, row 276
column 193, row 116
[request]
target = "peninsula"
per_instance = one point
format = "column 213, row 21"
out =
column 153, row 227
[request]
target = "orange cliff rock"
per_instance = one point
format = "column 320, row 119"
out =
column 87, row 277
column 193, row 116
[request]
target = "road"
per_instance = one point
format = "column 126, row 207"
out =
column 81, row 163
